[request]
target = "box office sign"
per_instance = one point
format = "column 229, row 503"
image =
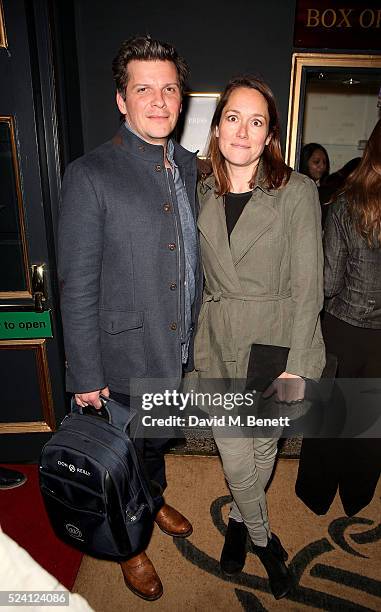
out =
column 25, row 325
column 332, row 24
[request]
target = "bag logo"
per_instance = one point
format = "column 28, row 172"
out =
column 73, row 531
column 73, row 469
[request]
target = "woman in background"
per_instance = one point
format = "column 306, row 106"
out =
column 352, row 331
column 314, row 162
column 333, row 185
column 260, row 239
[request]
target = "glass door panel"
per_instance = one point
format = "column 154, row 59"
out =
column 13, row 252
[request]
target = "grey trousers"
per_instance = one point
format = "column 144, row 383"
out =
column 248, row 464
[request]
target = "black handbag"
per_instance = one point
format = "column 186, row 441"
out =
column 93, row 486
column 268, row 361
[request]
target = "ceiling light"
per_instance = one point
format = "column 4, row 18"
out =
column 351, row 81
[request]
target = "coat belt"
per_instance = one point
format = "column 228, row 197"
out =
column 245, row 297
column 221, row 312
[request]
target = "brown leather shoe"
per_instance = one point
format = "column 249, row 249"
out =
column 173, row 523
column 141, row 578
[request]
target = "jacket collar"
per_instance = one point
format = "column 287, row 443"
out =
column 259, row 182
column 256, row 219
column 133, row 144
column 212, row 226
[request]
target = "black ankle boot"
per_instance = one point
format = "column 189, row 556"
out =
column 273, row 558
column 278, row 543
column 233, row 554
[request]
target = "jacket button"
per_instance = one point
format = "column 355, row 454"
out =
column 173, row 326
column 167, row 207
column 173, row 286
column 158, row 168
column 172, row 246
column 141, row 148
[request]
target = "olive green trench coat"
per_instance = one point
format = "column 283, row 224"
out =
column 267, row 286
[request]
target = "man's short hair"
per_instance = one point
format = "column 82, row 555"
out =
column 146, row 48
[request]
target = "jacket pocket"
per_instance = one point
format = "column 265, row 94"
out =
column 116, row 321
column 123, row 343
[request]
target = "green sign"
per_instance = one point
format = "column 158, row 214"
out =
column 15, row 325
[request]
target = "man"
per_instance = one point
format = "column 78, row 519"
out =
column 128, row 259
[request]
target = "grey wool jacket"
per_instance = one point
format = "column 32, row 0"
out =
column 121, row 266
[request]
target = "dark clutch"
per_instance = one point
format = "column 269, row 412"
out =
column 268, row 361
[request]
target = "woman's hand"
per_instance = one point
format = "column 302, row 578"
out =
column 289, row 389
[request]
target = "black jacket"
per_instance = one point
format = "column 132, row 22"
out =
column 352, row 271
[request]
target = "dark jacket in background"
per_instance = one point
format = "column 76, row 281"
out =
column 333, row 184
column 352, row 271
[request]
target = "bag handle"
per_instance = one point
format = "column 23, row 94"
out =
column 113, row 412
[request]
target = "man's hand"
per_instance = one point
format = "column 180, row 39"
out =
column 289, row 388
column 92, row 398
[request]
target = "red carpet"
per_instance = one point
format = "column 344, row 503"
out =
column 23, row 518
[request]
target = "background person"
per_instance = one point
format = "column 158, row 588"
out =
column 333, row 185
column 352, row 331
column 261, row 249
column 314, row 162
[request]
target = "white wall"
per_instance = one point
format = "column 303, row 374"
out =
column 338, row 118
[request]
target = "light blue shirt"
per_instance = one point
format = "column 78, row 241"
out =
column 188, row 228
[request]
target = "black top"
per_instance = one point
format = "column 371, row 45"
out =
column 234, row 205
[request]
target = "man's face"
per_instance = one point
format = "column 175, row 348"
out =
column 153, row 99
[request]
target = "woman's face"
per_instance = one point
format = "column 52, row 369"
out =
column 243, row 130
column 317, row 164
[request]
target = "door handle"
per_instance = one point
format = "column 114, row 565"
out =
column 38, row 287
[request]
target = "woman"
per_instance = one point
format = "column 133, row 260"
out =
column 333, row 185
column 352, row 331
column 314, row 162
column 261, row 248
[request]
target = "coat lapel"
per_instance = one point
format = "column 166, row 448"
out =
column 212, row 226
column 256, row 219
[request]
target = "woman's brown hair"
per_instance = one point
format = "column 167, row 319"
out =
column 363, row 191
column 276, row 172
